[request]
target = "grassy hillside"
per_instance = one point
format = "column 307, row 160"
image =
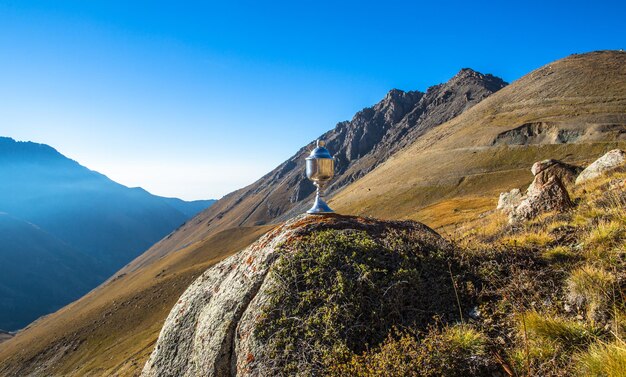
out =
column 456, row 170
column 550, row 298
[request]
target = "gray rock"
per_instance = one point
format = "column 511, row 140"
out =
column 549, row 196
column 609, row 161
column 508, row 201
column 565, row 172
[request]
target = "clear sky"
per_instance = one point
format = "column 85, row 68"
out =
column 196, row 99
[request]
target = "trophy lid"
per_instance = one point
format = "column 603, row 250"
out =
column 320, row 151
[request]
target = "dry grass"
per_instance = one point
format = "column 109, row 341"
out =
column 568, row 334
column 584, row 311
column 592, row 288
column 603, row 360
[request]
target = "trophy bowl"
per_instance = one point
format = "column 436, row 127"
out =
column 320, row 168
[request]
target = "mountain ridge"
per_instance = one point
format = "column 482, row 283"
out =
column 580, row 97
column 80, row 214
column 373, row 135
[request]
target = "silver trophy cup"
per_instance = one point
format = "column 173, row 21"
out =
column 320, row 168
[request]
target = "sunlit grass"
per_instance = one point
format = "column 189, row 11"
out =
column 567, row 333
column 603, row 360
column 591, row 287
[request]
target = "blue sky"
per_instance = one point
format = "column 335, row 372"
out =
column 196, row 99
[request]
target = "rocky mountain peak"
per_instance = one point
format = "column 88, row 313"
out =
column 359, row 145
column 468, row 76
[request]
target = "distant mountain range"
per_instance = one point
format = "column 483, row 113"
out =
column 64, row 229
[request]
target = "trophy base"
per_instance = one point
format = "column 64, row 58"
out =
column 320, row 207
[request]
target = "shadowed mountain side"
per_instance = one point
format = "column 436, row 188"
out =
column 191, row 208
column 40, row 273
column 112, row 330
column 359, row 145
column 92, row 225
column 573, row 110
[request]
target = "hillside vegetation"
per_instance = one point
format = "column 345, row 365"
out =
column 347, row 296
column 550, row 298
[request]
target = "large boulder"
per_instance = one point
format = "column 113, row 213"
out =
column 547, row 168
column 551, row 195
column 547, row 192
column 312, row 286
column 609, row 161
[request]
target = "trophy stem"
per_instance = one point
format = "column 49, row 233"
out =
column 320, row 206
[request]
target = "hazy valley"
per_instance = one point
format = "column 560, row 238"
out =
column 66, row 229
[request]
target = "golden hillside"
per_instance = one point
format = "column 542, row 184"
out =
column 573, row 110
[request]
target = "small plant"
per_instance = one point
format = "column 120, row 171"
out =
column 529, row 239
column 591, row 287
column 559, row 254
column 567, row 334
column 606, row 235
column 453, row 351
column 603, row 360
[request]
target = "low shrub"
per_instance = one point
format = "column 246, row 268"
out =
column 453, row 351
column 565, row 333
column 339, row 292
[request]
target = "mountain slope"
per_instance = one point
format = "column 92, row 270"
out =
column 40, row 273
column 93, row 226
column 573, row 110
column 444, row 176
column 370, row 138
column 362, row 143
column 189, row 209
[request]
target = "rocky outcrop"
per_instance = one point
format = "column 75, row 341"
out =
column 549, row 195
column 211, row 329
column 559, row 133
column 546, row 193
column 565, row 172
column 608, row 162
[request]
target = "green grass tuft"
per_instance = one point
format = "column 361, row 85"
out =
column 566, row 333
column 603, row 360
